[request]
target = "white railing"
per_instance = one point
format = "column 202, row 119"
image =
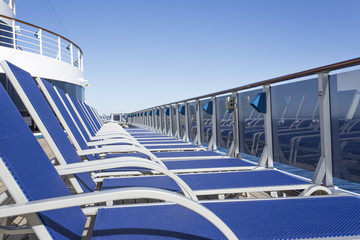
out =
column 32, row 38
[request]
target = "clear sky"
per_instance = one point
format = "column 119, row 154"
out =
column 142, row 53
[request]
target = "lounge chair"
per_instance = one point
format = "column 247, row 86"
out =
column 53, row 213
column 216, row 183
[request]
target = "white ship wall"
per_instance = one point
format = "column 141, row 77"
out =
column 42, row 66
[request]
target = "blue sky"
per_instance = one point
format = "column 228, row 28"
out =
column 142, row 53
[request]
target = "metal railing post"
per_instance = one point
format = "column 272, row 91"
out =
column 267, row 156
column 323, row 171
column 235, row 145
column 171, row 118
column 78, row 61
column 164, row 125
column 177, row 134
column 40, row 41
column 214, row 141
column 160, row 121
column 59, row 48
column 71, row 54
column 156, row 122
column 198, row 137
column 187, row 132
column 14, row 34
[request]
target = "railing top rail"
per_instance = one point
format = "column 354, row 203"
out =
column 51, row 32
column 326, row 68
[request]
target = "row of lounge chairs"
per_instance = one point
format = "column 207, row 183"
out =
column 104, row 163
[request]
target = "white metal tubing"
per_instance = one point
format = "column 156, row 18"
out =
column 126, row 163
column 115, row 194
column 39, row 42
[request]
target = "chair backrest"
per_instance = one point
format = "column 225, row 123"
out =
column 29, row 175
column 71, row 111
column 82, row 114
column 63, row 115
column 88, row 113
column 45, row 119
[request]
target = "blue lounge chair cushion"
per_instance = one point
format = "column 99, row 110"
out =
column 209, row 181
column 328, row 217
column 34, row 172
column 187, row 154
column 52, row 125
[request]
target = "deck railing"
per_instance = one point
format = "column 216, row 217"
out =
column 28, row 37
column 309, row 119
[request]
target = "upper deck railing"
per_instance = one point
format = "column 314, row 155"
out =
column 309, row 119
column 24, row 36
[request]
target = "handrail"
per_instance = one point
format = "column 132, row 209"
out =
column 326, row 68
column 44, row 29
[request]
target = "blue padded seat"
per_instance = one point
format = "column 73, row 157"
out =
column 207, row 163
column 187, row 154
column 291, row 218
column 209, row 181
column 172, row 146
column 198, row 164
column 161, row 142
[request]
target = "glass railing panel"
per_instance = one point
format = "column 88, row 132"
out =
column 251, row 122
column 192, row 120
column 225, row 123
column 296, row 127
column 345, row 121
column 206, row 131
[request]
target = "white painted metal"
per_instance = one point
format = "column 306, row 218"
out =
column 125, row 163
column 128, row 193
column 42, row 66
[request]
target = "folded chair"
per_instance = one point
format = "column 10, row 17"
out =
column 53, row 213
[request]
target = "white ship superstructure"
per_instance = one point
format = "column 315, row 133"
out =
column 41, row 52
